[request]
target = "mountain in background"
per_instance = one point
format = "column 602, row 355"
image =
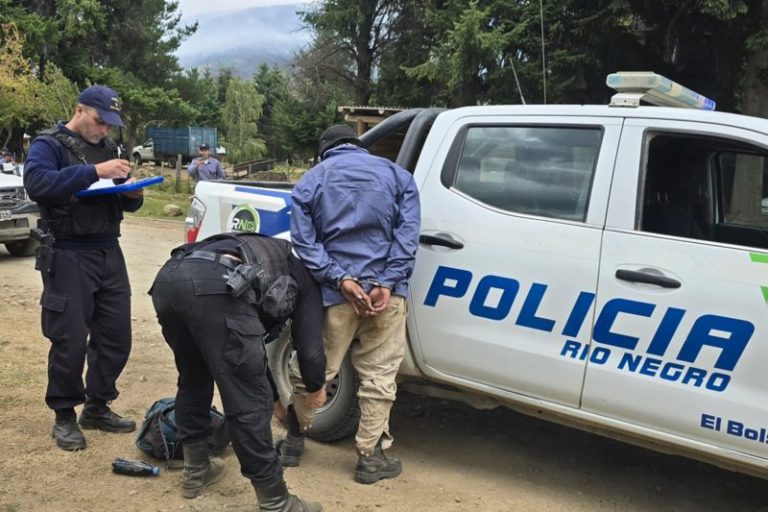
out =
column 244, row 39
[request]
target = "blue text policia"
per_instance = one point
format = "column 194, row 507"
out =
column 728, row 335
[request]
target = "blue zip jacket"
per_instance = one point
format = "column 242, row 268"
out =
column 356, row 214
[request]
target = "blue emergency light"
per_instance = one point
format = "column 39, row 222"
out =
column 634, row 86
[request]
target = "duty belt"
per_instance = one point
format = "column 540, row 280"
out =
column 216, row 257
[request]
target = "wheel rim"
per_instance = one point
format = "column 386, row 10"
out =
column 284, row 385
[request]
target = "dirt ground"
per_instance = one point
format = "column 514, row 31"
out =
column 454, row 458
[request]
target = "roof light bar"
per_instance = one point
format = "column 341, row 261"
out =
column 633, row 86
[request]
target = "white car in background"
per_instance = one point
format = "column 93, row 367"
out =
column 18, row 215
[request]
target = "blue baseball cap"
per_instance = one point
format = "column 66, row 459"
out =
column 105, row 101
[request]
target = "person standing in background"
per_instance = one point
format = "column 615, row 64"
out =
column 206, row 167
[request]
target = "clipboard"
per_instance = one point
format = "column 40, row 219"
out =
column 119, row 189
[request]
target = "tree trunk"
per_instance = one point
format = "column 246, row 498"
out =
column 364, row 51
column 45, row 10
column 755, row 96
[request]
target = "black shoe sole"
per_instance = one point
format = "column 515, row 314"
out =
column 95, row 425
column 371, row 478
column 69, row 447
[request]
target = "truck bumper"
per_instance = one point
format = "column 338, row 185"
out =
column 23, row 219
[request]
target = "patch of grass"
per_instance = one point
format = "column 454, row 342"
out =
column 158, row 196
column 10, row 507
column 155, row 201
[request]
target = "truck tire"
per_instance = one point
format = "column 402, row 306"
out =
column 340, row 415
column 172, row 162
column 21, row 248
column 137, row 158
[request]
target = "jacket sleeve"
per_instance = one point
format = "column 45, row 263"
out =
column 307, row 328
column 405, row 240
column 220, row 170
column 46, row 178
column 311, row 251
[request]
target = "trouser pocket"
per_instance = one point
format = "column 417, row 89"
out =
column 54, row 322
column 244, row 350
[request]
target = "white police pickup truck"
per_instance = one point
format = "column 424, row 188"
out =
column 601, row 266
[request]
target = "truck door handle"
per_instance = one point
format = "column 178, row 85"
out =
column 443, row 240
column 644, row 277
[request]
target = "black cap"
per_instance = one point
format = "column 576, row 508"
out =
column 204, row 146
column 335, row 135
column 105, row 101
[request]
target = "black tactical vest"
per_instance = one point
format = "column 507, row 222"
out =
column 94, row 217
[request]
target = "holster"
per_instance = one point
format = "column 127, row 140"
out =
column 44, row 253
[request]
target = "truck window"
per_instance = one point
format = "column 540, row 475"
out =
column 536, row 170
column 705, row 188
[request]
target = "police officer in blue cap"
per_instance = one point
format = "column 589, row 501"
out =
column 86, row 307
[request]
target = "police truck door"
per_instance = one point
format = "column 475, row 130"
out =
column 681, row 309
column 512, row 215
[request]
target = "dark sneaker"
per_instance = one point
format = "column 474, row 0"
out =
column 102, row 418
column 290, row 450
column 376, row 467
column 68, row 435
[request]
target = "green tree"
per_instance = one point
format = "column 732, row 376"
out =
column 143, row 106
column 410, row 45
column 299, row 123
column 28, row 103
column 273, row 85
column 491, row 50
column 357, row 30
column 240, row 117
column 136, row 36
column 200, row 89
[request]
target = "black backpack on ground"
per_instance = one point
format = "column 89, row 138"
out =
column 158, row 434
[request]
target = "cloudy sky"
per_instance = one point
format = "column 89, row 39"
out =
column 198, row 7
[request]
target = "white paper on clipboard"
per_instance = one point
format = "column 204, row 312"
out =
column 102, row 183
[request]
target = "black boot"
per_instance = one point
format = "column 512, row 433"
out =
column 276, row 498
column 290, row 449
column 200, row 470
column 96, row 415
column 372, row 468
column 66, row 432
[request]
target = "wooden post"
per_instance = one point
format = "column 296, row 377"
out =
column 178, row 174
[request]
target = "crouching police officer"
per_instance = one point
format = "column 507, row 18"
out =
column 215, row 301
column 86, row 301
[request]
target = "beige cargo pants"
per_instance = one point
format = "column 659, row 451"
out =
column 376, row 346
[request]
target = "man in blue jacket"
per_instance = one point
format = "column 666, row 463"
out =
column 355, row 221
column 86, row 301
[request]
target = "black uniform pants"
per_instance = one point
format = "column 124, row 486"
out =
column 86, row 314
column 216, row 337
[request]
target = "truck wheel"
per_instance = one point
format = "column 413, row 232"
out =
column 340, row 415
column 172, row 161
column 137, row 158
column 22, row 247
